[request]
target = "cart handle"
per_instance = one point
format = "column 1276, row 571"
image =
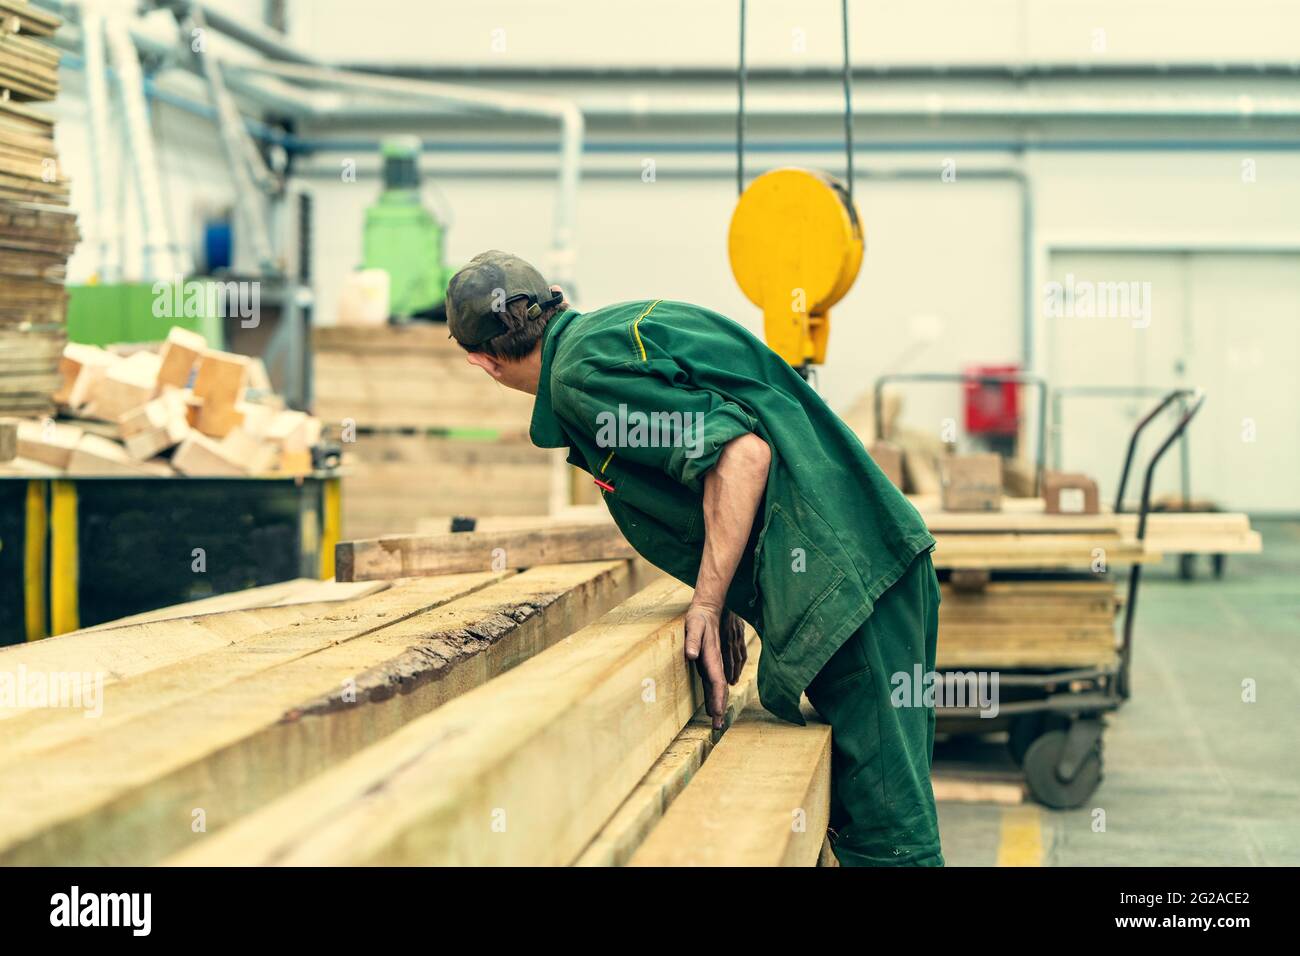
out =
column 1016, row 378
column 1198, row 398
column 1124, row 688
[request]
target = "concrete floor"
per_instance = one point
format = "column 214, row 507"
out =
column 1193, row 775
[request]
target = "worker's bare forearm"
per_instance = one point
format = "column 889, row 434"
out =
column 733, row 491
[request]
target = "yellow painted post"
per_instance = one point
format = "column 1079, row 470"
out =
column 37, row 527
column 332, row 522
column 64, row 562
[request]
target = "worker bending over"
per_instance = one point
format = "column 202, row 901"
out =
column 724, row 468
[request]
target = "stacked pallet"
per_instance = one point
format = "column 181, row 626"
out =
column 181, row 408
column 535, row 716
column 37, row 234
column 425, row 435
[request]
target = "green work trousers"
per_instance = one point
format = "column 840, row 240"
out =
column 882, row 804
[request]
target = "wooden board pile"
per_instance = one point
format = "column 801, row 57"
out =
column 1013, row 624
column 527, row 715
column 1024, row 535
column 1066, row 616
column 182, row 408
column 37, row 233
column 425, row 435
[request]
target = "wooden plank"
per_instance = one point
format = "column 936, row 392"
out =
column 1039, row 551
column 668, row 777
column 1167, row 531
column 31, row 19
column 1028, row 623
column 195, row 653
column 415, row 555
column 522, row 771
column 297, row 592
column 408, row 376
column 135, row 649
column 125, row 794
column 761, row 799
column 394, row 481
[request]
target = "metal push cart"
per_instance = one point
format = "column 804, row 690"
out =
column 1056, row 715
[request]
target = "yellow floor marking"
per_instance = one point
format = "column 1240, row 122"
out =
column 1021, row 842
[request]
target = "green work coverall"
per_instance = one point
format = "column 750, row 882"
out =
column 837, row 578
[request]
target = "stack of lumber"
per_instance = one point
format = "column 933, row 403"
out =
column 182, row 408
column 542, row 716
column 29, row 68
column 37, row 233
column 408, row 377
column 426, row 435
column 1024, row 535
column 1056, row 624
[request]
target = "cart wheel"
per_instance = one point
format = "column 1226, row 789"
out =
column 1027, row 728
column 1045, row 784
column 1187, row 566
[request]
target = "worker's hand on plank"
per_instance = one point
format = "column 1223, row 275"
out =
column 734, row 651
column 704, row 647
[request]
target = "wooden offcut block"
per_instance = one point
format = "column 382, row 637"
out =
column 179, row 355
column 971, row 482
column 222, row 377
column 290, row 430
column 295, row 462
column 200, row 456
column 889, row 457
column 256, row 419
column 81, row 366
column 127, row 385
column 256, row 457
column 155, row 426
column 218, row 419
column 47, row 442
column 1066, row 493
column 220, row 383
column 8, row 439
column 94, row 455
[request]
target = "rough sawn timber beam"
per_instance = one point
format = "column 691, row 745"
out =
column 128, row 794
column 416, row 555
column 643, row 808
column 761, row 799
column 521, row 771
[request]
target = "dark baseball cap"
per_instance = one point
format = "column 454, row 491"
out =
column 478, row 293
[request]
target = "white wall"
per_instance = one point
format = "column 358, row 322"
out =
column 941, row 256
column 698, row 33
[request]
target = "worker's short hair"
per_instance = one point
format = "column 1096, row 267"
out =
column 523, row 333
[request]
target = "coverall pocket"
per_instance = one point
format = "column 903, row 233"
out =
column 795, row 577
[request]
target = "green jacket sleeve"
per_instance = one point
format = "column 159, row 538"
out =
column 644, row 412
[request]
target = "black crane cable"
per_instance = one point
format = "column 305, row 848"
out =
column 742, row 77
column 740, row 112
column 848, row 99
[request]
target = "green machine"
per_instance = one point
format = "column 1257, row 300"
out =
column 404, row 239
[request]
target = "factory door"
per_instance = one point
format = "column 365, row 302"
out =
column 1229, row 322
